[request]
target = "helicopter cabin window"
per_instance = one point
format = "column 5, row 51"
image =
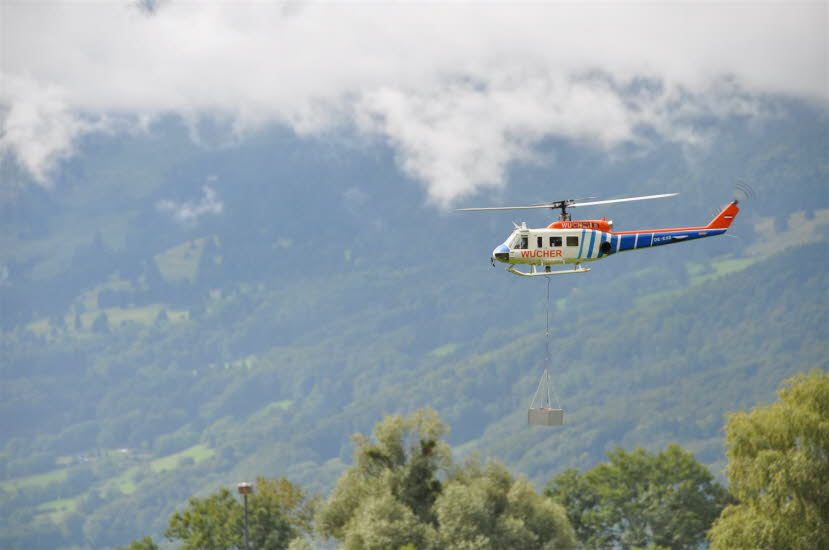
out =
column 525, row 243
column 539, row 242
column 572, row 241
column 555, row 241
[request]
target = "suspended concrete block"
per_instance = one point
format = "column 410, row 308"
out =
column 545, row 414
column 546, row 417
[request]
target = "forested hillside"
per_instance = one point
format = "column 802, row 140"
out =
column 177, row 317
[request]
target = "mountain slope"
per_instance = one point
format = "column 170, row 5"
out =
column 145, row 359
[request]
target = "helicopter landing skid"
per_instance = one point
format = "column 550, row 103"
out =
column 544, row 273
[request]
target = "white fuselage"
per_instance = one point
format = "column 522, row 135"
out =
column 554, row 246
column 575, row 246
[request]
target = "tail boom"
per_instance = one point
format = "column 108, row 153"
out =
column 721, row 221
column 633, row 240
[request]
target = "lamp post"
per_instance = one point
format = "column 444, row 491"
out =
column 246, row 489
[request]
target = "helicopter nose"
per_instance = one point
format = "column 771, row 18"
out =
column 501, row 253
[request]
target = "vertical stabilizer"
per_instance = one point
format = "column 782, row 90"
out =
column 724, row 218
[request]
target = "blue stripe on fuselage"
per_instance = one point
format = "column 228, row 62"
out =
column 592, row 240
column 581, row 243
column 606, row 238
column 628, row 242
column 636, row 241
column 644, row 240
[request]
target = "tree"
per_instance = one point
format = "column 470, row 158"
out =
column 640, row 499
column 485, row 507
column 384, row 521
column 301, row 543
column 212, row 523
column 162, row 317
column 57, row 322
column 101, row 323
column 146, row 543
column 278, row 512
column 402, row 462
column 404, row 491
column 778, row 471
column 279, row 498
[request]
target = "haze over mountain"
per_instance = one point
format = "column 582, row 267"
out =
column 228, row 243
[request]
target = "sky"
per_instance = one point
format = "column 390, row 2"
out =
column 458, row 90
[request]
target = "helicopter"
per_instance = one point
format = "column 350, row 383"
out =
column 575, row 242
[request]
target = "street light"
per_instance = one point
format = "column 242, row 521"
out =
column 246, row 489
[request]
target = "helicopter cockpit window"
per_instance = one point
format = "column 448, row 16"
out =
column 572, row 241
column 519, row 242
column 522, row 242
column 555, row 241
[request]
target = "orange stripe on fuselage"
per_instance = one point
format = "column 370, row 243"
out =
column 659, row 230
column 721, row 221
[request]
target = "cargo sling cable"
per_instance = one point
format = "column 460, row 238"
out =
column 549, row 416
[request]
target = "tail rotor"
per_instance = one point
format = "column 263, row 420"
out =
column 743, row 191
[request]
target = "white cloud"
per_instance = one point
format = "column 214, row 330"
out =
column 462, row 135
column 189, row 212
column 459, row 90
column 37, row 125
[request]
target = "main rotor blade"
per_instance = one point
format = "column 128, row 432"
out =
column 622, row 200
column 569, row 203
column 506, row 208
